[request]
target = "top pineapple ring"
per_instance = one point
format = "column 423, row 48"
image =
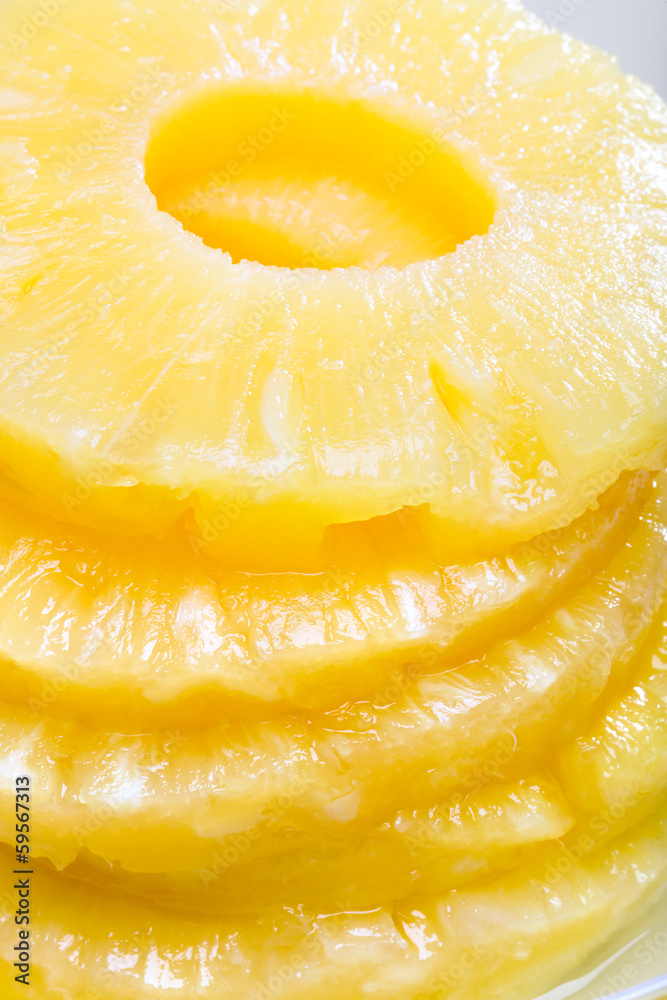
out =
column 143, row 373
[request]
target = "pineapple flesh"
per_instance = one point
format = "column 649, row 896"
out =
column 333, row 525
column 131, row 628
column 500, row 387
column 140, row 800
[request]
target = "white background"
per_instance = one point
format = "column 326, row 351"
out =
column 633, row 30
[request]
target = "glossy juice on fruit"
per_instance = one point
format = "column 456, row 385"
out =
column 333, row 537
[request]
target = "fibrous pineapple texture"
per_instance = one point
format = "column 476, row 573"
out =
column 146, row 374
column 333, row 413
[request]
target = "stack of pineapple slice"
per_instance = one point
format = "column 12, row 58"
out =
column 333, row 531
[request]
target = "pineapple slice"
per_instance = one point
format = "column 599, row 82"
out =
column 495, row 390
column 131, row 629
column 423, row 850
column 616, row 773
column 513, row 936
column 154, row 801
column 259, row 217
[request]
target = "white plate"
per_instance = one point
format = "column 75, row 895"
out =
column 632, row 966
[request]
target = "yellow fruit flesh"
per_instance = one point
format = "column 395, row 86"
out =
column 140, row 799
column 298, row 299
column 572, row 906
column 505, row 384
column 104, row 946
column 617, row 770
column 165, row 637
column 426, row 850
column 273, row 219
column 124, row 803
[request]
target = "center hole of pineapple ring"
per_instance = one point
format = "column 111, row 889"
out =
column 300, row 181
